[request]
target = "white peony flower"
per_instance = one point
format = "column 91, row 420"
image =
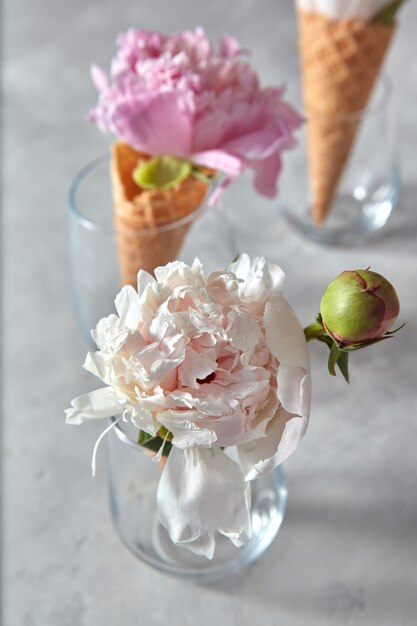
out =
column 219, row 362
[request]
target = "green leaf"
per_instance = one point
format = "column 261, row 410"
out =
column 153, row 443
column 333, row 359
column 370, row 342
column 392, row 332
column 203, row 178
column 340, row 355
column 387, row 14
column 162, row 172
column 343, row 365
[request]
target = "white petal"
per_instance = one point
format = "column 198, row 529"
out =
column 97, row 365
column 282, row 436
column 96, row 404
column 241, row 267
column 234, row 430
column 284, row 334
column 201, row 492
column 285, row 338
column 195, row 366
column 187, row 434
column 286, row 341
column 177, row 273
column 109, row 333
column 127, row 307
column 294, row 389
column 243, row 330
column 143, row 419
column 164, row 272
column 134, row 342
column 144, row 279
column 258, row 276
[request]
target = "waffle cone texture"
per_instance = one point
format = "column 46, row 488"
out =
column 340, row 61
column 138, row 213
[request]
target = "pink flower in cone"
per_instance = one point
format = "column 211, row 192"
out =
column 177, row 96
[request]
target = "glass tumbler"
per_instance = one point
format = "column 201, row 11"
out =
column 133, row 482
column 95, row 242
column 341, row 183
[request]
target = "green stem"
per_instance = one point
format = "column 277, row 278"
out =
column 338, row 356
column 314, row 331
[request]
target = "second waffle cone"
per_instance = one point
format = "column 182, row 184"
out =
column 340, row 61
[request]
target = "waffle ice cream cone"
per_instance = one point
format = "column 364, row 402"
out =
column 138, row 214
column 340, row 60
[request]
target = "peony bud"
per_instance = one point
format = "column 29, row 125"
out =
column 358, row 306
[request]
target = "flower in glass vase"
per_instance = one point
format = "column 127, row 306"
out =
column 186, row 115
column 214, row 373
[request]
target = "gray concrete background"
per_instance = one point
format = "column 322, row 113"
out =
column 347, row 553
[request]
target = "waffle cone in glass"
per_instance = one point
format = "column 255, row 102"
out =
column 340, row 61
column 140, row 213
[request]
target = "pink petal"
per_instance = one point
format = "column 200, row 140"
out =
column 229, row 47
column 256, row 145
column 220, row 160
column 158, row 124
column 266, row 175
column 99, row 78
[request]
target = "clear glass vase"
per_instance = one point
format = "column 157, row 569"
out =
column 96, row 242
column 133, row 482
column 342, row 182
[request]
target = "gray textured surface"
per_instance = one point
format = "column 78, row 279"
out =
column 347, row 553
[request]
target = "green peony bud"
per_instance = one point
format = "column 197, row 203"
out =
column 358, row 306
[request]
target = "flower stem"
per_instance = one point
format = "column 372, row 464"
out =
column 337, row 355
column 314, row 330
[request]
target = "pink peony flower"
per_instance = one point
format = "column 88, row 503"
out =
column 177, row 96
column 222, row 364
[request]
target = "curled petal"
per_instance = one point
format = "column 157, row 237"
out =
column 186, row 432
column 127, row 306
column 266, row 175
column 258, row 281
column 200, row 492
column 220, row 160
column 286, row 341
column 109, row 333
column 282, row 436
column 229, row 47
column 144, row 279
column 99, row 78
column 154, row 123
column 94, row 405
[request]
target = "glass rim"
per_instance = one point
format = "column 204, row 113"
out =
column 124, row 438
column 93, row 226
column 386, row 85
